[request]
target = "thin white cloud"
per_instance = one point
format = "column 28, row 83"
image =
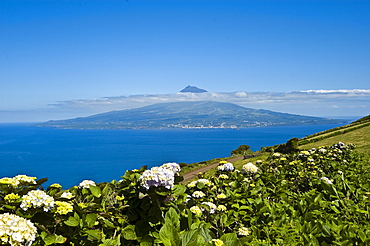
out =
column 353, row 91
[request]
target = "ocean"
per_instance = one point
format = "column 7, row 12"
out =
column 68, row 156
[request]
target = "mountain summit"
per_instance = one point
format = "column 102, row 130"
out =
column 201, row 114
column 193, row 89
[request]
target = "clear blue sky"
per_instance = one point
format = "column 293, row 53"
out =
column 54, row 50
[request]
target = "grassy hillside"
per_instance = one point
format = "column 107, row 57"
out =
column 357, row 133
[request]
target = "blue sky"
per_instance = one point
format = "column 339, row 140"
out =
column 62, row 59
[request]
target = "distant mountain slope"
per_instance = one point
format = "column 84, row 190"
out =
column 203, row 114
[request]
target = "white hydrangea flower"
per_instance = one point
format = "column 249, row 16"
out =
column 158, row 176
column 25, row 180
column 221, row 208
column 205, row 181
column 198, row 194
column 323, row 151
column 221, row 196
column 37, row 199
column 226, row 167
column 63, row 207
column 305, row 153
column 249, row 168
column 276, row 155
column 192, row 184
column 196, row 210
column 16, row 231
column 212, row 207
column 223, row 176
column 326, row 180
column 244, row 231
column 86, row 184
column 9, row 181
column 174, row 167
column 67, row 195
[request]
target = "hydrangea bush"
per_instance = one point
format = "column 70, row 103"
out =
column 312, row 197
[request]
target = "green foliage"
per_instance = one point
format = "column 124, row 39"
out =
column 288, row 147
column 241, row 150
column 313, row 197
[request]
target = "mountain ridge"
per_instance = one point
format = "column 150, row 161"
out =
column 192, row 89
column 199, row 114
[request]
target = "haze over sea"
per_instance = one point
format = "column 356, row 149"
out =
column 69, row 156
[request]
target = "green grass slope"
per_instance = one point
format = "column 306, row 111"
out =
column 357, row 133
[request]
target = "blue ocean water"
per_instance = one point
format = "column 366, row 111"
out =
column 69, row 156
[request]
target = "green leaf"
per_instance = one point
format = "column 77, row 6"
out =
column 200, row 185
column 230, row 239
column 179, row 189
column 60, row 239
column 314, row 241
column 72, row 221
column 108, row 223
column 172, row 218
column 94, row 234
column 178, row 179
column 362, row 235
column 129, row 232
column 41, row 181
column 191, row 238
column 169, row 233
column 10, row 207
column 49, row 239
column 106, row 190
column 113, row 242
column 90, row 220
column 95, row 190
column 335, row 209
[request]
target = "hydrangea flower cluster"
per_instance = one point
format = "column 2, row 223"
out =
column 226, row 167
column 10, row 198
column 249, row 168
column 67, row 195
column 212, row 207
column 221, row 196
column 173, row 166
column 221, row 208
column 56, row 186
column 196, row 210
column 223, row 176
column 9, row 181
column 326, row 180
column 198, row 194
column 16, row 231
column 25, row 180
column 160, row 176
column 244, row 231
column 206, row 182
column 63, row 207
column 339, row 145
column 276, row 155
column 37, row 199
column 18, row 180
column 86, row 184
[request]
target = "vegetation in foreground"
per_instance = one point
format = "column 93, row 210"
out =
column 312, row 197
